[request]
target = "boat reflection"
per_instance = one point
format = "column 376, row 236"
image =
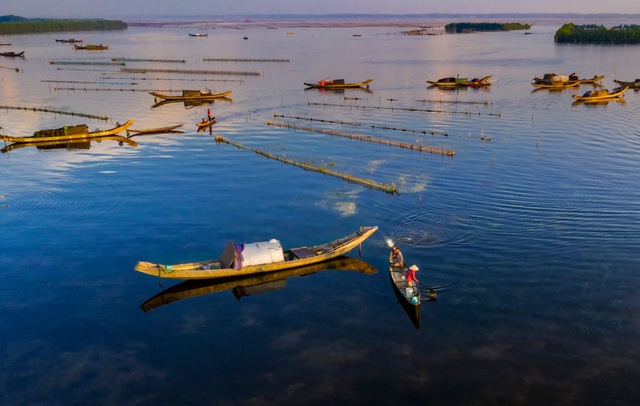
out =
column 189, row 104
column 251, row 285
column 76, row 144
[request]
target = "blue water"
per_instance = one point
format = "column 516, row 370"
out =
column 530, row 238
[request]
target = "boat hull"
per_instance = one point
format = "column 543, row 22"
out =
column 182, row 98
column 338, row 86
column 320, row 253
column 95, row 134
column 608, row 96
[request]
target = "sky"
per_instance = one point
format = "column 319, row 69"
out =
column 135, row 8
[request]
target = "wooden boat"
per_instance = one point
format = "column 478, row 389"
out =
column 256, row 258
column 192, row 95
column 337, row 84
column 599, row 95
column 252, row 284
column 550, row 78
column 157, row 130
column 557, row 85
column 449, row 82
column 91, row 47
column 198, row 35
column 632, row 85
column 78, row 132
column 206, row 124
column 73, row 144
column 409, row 298
column 12, row 54
column 476, row 82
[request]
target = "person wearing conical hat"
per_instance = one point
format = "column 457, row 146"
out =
column 411, row 275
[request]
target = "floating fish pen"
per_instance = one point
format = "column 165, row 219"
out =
column 243, row 60
column 404, row 145
column 190, row 71
column 355, row 106
column 148, row 60
column 391, row 189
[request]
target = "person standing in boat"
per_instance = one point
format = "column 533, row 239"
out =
column 209, row 114
column 396, row 259
column 410, row 276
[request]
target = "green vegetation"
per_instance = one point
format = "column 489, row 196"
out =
column 598, row 34
column 18, row 25
column 471, row 27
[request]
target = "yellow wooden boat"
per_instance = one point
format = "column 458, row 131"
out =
column 337, row 84
column 192, row 95
column 205, row 124
column 79, row 132
column 253, row 284
column 255, row 258
column 599, row 95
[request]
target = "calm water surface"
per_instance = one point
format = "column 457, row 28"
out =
column 531, row 239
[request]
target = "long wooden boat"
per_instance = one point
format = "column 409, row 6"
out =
column 91, row 47
column 449, row 82
column 633, row 85
column 557, row 85
column 206, row 124
column 599, row 95
column 256, row 258
column 73, row 144
column 253, row 284
column 157, row 130
column 476, row 82
column 198, row 35
column 192, row 95
column 549, row 78
column 409, row 298
column 12, row 54
column 67, row 133
column 337, row 84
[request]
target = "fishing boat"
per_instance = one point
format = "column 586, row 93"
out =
column 555, row 85
column 67, row 133
column 448, row 82
column 12, row 54
column 205, row 124
column 477, row 82
column 259, row 257
column 198, row 35
column 192, row 95
column 550, row 78
column 253, row 284
column 91, row 47
column 409, row 297
column 337, row 84
column 599, row 95
column 157, row 130
column 69, row 145
column 632, row 85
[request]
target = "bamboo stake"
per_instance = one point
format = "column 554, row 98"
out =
column 105, row 118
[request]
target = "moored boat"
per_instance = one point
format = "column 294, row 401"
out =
column 337, row 84
column 448, row 82
column 198, row 35
column 633, row 85
column 252, row 284
column 192, row 95
column 550, row 78
column 599, row 95
column 91, row 47
column 409, row 297
column 12, row 54
column 255, row 258
column 67, row 133
column 476, row 82
column 555, row 85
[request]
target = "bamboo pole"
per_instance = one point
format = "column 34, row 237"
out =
column 442, row 151
column 355, row 106
column 243, row 60
column 190, row 71
column 392, row 189
column 105, row 118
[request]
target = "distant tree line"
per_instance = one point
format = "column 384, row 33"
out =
column 18, row 25
column 592, row 34
column 471, row 27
